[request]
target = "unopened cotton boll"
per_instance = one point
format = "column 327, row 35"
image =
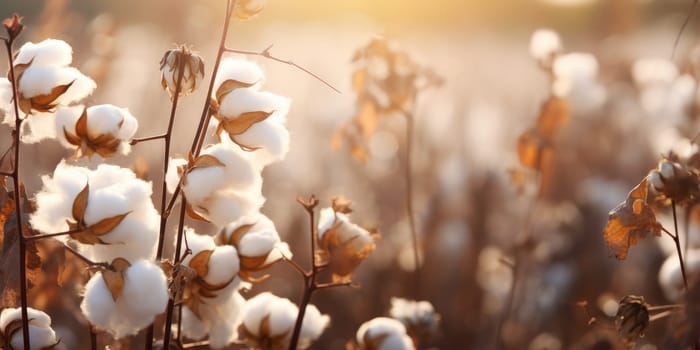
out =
column 544, row 45
column 113, row 191
column 41, row 335
column 144, row 295
column 279, row 315
column 346, row 243
column 385, row 333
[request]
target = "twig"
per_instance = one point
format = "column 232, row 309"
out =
column 408, row 175
column 48, row 235
column 676, row 239
column 685, row 23
column 266, row 53
column 86, row 259
column 171, row 302
column 155, row 137
column 93, row 338
column 664, row 307
column 166, row 158
column 18, row 206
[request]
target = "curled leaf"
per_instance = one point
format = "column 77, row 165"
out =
column 200, row 262
column 243, row 122
column 80, row 203
column 114, row 277
column 630, row 221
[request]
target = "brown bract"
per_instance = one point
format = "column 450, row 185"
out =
column 104, row 144
column 113, row 277
column 196, row 290
column 534, row 144
column 632, row 318
column 192, row 70
column 39, row 103
column 630, row 221
column 248, row 264
column 264, row 340
column 239, row 124
column 90, row 234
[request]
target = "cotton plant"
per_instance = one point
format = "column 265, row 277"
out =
column 257, row 242
column 220, row 185
column 343, row 244
column 125, row 297
column 42, row 336
column 206, row 283
column 109, row 211
column 268, row 322
column 383, row 333
column 252, row 119
column 102, row 129
column 664, row 93
column 45, row 81
column 419, row 317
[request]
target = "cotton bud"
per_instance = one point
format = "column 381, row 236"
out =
column 125, row 298
column 545, row 44
column 268, row 323
column 41, row 335
column 103, row 129
column 13, row 26
column 419, row 317
column 109, row 209
column 382, row 333
column 245, row 9
column 632, row 318
column 192, row 67
column 257, row 242
column 344, row 245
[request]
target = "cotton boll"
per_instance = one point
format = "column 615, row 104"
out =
column 223, row 265
column 40, row 80
column 41, row 335
column 282, row 315
column 111, row 120
column 55, row 199
column 239, row 173
column 225, row 331
column 239, row 70
column 192, row 326
column 203, row 182
column 38, row 127
column 326, row 220
column 575, row 79
column 246, row 100
column 48, row 52
column 544, row 44
column 144, row 295
column 313, row 325
column 392, row 334
column 272, row 139
column 254, row 310
column 653, row 71
column 227, row 206
column 81, row 86
column 197, row 243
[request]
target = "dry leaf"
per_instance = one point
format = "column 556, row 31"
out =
column 200, row 262
column 114, row 277
column 243, row 122
column 630, row 221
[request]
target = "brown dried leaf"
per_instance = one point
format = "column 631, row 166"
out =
column 45, row 103
column 206, row 161
column 367, row 118
column 80, row 203
column 531, row 145
column 105, row 226
column 630, row 221
column 81, row 129
column 193, row 214
column 244, row 121
column 200, row 262
column 375, row 342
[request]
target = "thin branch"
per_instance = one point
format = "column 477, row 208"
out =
column 49, row 235
column 297, row 267
column 93, row 338
column 171, row 302
column 664, row 307
column 408, row 175
column 24, row 304
column 2, row 173
column 199, row 344
column 676, row 239
column 149, row 138
column 661, row 315
column 685, row 23
column 333, row 285
column 85, row 259
column 266, row 53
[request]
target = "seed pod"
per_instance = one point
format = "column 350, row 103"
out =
column 191, row 64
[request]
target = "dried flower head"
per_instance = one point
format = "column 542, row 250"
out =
column 343, row 244
column 181, row 59
column 419, row 317
column 268, row 322
column 383, row 333
column 632, row 318
column 41, row 335
column 103, row 129
column 257, row 242
column 13, row 25
column 125, row 297
column 245, row 9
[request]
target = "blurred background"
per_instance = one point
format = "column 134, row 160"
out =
column 470, row 214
